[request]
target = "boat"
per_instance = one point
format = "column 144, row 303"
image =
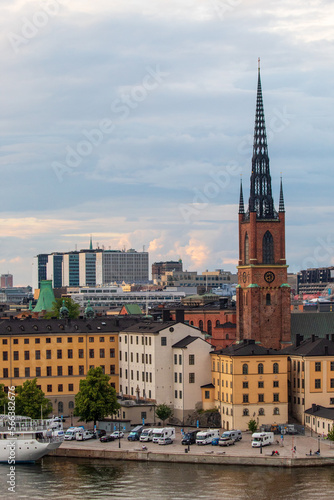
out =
column 25, row 440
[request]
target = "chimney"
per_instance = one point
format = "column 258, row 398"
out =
column 313, row 338
column 179, row 315
column 326, row 350
column 332, row 337
column 298, row 340
column 327, row 336
column 314, row 408
column 165, row 315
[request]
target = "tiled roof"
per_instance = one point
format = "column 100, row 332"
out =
column 207, row 386
column 312, row 323
column 247, row 348
column 321, row 411
column 313, row 346
column 185, row 342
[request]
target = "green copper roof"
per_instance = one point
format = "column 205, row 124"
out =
column 46, row 297
column 253, row 285
column 133, row 309
column 285, row 285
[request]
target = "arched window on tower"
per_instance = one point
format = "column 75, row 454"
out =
column 268, row 248
column 200, row 325
column 257, row 207
column 246, row 249
column 268, row 299
column 209, row 327
column 257, row 185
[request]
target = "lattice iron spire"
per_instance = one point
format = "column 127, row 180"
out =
column 260, row 199
column 241, row 200
column 281, row 198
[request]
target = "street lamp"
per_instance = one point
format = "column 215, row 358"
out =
column 119, row 434
column 319, row 444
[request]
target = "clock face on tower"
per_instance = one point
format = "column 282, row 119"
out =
column 269, row 276
column 244, row 277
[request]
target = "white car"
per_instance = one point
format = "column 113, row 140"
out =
column 117, row 434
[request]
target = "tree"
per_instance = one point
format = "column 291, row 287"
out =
column 330, row 434
column 163, row 412
column 96, row 398
column 30, row 401
column 252, row 425
column 72, row 306
column 3, row 398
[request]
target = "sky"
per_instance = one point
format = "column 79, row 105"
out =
column 133, row 122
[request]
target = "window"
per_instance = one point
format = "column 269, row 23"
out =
column 91, row 339
column 245, row 369
column 331, row 401
column 175, row 394
column 5, row 356
column 191, row 378
column 276, row 411
column 207, row 394
column 112, row 353
column 26, row 341
column 317, row 366
column 268, row 248
column 180, row 378
column 180, row 394
column 180, row 359
column 59, row 354
column 69, row 340
column 246, row 249
column 175, row 359
column 276, row 397
column 101, row 339
column 268, row 299
column 81, row 353
column 60, row 387
column 102, row 353
column 16, row 372
column 70, row 370
column 200, row 325
column 261, row 411
column 48, row 340
column 332, row 383
column 49, row 371
column 81, row 370
column 332, row 366
column 245, row 398
column 163, row 340
column 37, row 354
column 38, row 371
column 80, row 339
column 260, row 368
column 5, row 373
column 69, row 353
column 15, row 341
column 70, row 389
column 49, row 388
column 245, row 412
column 261, row 398
column 16, row 355
column 191, row 359
column 58, row 340
column 91, row 353
column 260, row 384
column 245, row 385
column 112, row 369
column 103, row 368
column 111, row 339
column 275, row 368
column 59, row 371
column 175, row 378
column 48, row 354
column 317, row 383
column 37, row 341
column 275, row 383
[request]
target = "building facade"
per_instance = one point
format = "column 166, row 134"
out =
column 6, row 281
column 160, row 268
column 263, row 293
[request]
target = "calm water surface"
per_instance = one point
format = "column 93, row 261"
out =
column 97, row 479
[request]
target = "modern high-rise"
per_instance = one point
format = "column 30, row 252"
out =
column 54, row 271
column 39, row 271
column 6, row 281
column 115, row 265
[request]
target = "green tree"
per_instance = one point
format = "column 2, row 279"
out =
column 96, row 398
column 30, row 401
column 163, row 412
column 252, row 425
column 330, row 434
column 72, row 306
column 3, row 398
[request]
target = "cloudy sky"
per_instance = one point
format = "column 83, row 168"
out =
column 133, row 120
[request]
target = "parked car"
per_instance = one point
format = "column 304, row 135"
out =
column 165, row 440
column 226, row 441
column 107, row 438
column 117, row 434
column 99, row 433
column 190, row 437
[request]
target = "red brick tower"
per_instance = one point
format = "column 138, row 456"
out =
column 263, row 295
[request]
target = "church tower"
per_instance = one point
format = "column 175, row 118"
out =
column 263, row 295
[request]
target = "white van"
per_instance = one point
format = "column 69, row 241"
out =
column 206, row 437
column 71, row 433
column 235, row 435
column 146, row 435
column 83, row 435
column 165, row 432
column 262, row 439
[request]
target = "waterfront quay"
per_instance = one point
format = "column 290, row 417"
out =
column 293, row 452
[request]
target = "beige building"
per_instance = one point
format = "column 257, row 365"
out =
column 166, row 363
column 311, row 375
column 319, row 419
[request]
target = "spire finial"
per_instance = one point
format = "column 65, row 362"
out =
column 258, row 64
column 241, row 200
column 281, row 197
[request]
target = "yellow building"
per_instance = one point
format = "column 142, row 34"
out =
column 311, row 375
column 250, row 382
column 59, row 354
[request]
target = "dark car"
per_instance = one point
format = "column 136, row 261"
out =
column 99, row 433
column 190, row 437
column 106, row 438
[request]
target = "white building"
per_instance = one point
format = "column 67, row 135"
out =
column 165, row 362
column 115, row 265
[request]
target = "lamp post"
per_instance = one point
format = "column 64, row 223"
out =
column 119, row 434
column 319, row 444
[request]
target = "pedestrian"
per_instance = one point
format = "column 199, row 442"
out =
column 310, row 453
column 294, row 449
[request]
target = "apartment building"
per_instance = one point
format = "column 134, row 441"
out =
column 249, row 382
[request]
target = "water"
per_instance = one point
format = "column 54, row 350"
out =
column 63, row 478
